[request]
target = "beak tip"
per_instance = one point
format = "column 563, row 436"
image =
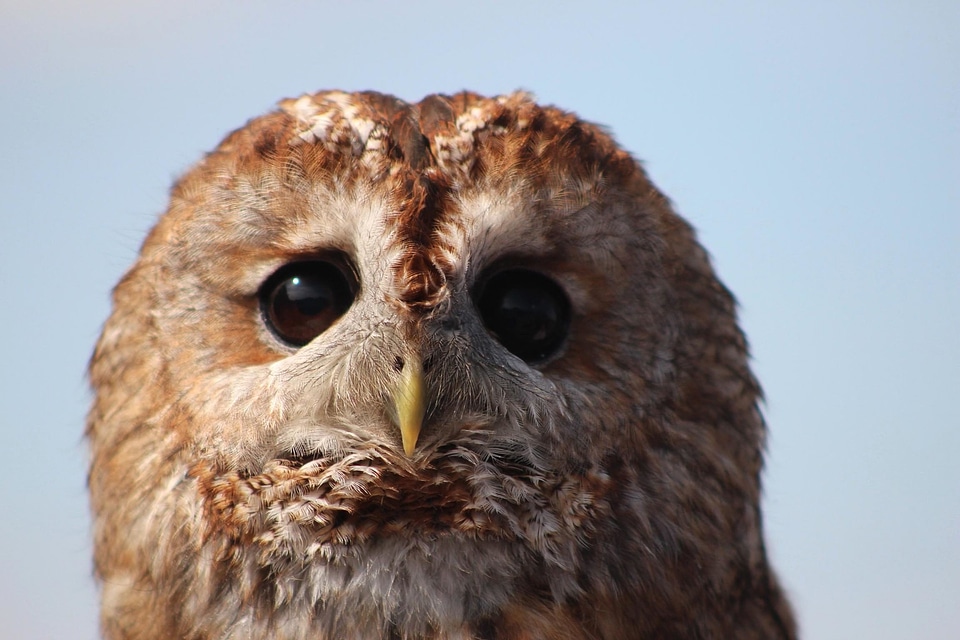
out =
column 409, row 436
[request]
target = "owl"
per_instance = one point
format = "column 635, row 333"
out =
column 444, row 370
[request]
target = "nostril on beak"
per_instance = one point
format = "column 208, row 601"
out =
column 427, row 364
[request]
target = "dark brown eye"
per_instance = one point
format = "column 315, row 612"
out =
column 527, row 312
column 301, row 300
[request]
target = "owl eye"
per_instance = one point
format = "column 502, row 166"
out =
column 303, row 299
column 527, row 312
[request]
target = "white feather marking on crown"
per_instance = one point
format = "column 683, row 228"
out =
column 335, row 120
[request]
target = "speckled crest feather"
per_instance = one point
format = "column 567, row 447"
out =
column 243, row 488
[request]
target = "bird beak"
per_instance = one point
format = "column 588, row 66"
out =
column 409, row 403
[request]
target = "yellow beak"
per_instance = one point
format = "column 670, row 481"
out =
column 410, row 403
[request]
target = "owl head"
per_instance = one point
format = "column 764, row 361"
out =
column 445, row 369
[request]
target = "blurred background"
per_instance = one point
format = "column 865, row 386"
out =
column 815, row 145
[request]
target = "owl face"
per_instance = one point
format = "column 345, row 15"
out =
column 352, row 270
column 394, row 370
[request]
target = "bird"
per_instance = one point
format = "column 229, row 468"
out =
column 452, row 369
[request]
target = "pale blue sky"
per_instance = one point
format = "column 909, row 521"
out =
column 815, row 145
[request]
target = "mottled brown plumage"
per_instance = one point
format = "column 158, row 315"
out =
column 247, row 484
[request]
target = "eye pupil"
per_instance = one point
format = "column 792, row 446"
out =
column 303, row 299
column 527, row 312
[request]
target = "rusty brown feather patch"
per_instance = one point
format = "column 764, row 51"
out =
column 327, row 505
